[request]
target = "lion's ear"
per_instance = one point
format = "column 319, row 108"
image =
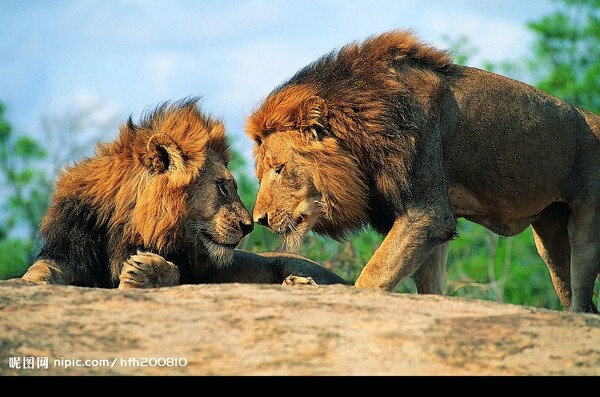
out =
column 162, row 154
column 314, row 117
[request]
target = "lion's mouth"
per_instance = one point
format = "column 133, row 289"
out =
column 291, row 225
column 214, row 241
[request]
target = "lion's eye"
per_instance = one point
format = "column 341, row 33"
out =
column 222, row 188
column 278, row 169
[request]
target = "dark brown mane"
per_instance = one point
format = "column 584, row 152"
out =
column 395, row 48
column 371, row 90
column 355, row 70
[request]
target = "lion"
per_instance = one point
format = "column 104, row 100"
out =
column 156, row 207
column 389, row 132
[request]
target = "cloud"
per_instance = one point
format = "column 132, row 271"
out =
column 495, row 39
column 73, row 123
column 162, row 67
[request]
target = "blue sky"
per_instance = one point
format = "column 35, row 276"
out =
column 130, row 55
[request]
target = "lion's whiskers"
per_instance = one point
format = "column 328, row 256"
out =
column 291, row 224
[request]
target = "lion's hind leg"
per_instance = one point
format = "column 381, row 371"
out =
column 584, row 228
column 46, row 271
column 565, row 239
column 551, row 239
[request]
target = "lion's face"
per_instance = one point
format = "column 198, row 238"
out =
column 288, row 201
column 308, row 179
column 216, row 218
column 185, row 197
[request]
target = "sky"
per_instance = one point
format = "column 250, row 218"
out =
column 125, row 57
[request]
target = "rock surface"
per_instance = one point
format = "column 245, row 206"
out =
column 235, row 329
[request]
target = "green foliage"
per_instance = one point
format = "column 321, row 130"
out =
column 14, row 258
column 26, row 197
column 460, row 48
column 25, row 171
column 484, row 265
column 566, row 54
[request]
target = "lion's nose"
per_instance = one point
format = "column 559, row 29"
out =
column 263, row 220
column 246, row 227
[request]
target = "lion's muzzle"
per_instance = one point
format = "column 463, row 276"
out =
column 262, row 219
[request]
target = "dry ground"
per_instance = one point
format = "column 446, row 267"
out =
column 235, row 329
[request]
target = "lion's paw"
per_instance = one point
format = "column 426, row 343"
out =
column 148, row 270
column 298, row 280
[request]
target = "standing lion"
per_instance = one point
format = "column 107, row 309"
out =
column 389, row 132
column 156, row 207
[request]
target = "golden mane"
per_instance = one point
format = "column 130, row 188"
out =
column 141, row 204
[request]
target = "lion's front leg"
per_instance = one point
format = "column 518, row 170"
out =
column 46, row 271
column 407, row 246
column 583, row 227
column 148, row 270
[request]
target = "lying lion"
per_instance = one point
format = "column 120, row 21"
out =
column 156, row 207
column 389, row 132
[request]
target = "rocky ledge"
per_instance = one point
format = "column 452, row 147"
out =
column 243, row 329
